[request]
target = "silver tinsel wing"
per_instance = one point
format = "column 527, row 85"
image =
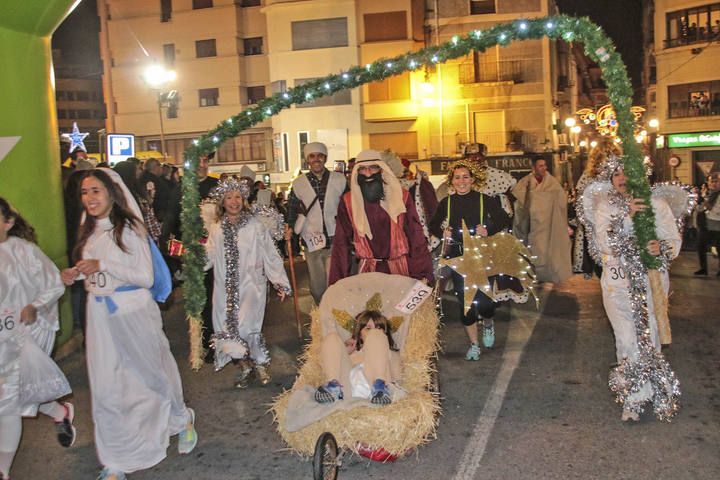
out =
column 271, row 218
column 679, row 197
column 585, row 207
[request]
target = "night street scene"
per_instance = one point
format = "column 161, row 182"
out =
column 322, row 239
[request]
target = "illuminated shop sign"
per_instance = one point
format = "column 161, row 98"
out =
column 686, row 140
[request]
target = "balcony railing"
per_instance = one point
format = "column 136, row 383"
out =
column 509, row 70
column 682, row 110
column 699, row 36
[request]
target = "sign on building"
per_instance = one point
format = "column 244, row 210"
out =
column 120, row 146
column 700, row 139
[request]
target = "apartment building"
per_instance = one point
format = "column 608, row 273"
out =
column 229, row 54
column 686, row 86
column 217, row 49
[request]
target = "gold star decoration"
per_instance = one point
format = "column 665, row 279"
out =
column 483, row 257
column 347, row 321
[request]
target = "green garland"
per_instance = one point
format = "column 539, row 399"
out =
column 597, row 46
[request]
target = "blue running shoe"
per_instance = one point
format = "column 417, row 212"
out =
column 188, row 438
column 329, row 392
column 380, row 394
column 473, row 353
column 489, row 335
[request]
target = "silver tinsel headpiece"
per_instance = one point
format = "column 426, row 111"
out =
column 242, row 185
column 608, row 167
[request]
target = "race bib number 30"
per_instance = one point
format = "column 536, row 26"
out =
column 616, row 274
column 8, row 323
column 314, row 241
column 415, row 297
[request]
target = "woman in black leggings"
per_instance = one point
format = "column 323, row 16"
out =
column 483, row 216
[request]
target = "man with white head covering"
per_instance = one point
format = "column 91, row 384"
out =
column 377, row 218
column 312, row 207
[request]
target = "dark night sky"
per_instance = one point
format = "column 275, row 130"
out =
column 77, row 36
column 621, row 20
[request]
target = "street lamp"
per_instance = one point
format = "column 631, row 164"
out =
column 570, row 122
column 653, row 123
column 157, row 76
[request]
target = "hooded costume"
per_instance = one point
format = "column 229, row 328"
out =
column 386, row 234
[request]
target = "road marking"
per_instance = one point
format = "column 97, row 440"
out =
column 518, row 335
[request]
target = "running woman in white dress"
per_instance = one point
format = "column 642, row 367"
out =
column 137, row 397
column 30, row 287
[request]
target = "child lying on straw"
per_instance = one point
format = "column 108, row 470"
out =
column 368, row 358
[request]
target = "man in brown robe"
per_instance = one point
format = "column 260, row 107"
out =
column 542, row 197
column 378, row 219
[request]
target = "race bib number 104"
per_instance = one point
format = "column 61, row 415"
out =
column 314, row 241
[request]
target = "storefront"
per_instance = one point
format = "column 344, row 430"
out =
column 693, row 156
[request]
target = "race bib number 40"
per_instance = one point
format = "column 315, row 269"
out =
column 100, row 283
column 8, row 323
column 414, row 298
column 314, row 241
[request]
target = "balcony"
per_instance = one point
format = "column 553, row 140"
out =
column 692, row 37
column 515, row 71
column 682, row 110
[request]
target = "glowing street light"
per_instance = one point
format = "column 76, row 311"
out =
column 570, row 122
column 653, row 123
column 157, row 76
column 576, row 129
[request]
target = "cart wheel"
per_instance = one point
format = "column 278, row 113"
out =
column 325, row 460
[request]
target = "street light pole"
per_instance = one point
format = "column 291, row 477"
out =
column 162, row 129
column 157, row 76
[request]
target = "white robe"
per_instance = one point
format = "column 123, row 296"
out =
column 258, row 262
column 27, row 276
column 137, row 398
column 615, row 282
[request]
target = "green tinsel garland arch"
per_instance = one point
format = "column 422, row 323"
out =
column 598, row 46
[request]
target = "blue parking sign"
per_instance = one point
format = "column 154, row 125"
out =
column 120, row 146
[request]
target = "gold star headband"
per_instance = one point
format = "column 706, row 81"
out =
column 347, row 321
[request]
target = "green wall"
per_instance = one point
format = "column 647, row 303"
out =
column 30, row 173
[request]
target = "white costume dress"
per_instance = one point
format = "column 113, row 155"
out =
column 239, row 305
column 137, row 398
column 643, row 375
column 28, row 376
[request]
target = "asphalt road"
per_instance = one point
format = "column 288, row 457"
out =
column 535, row 407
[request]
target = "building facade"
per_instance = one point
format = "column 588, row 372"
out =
column 230, row 53
column 686, row 87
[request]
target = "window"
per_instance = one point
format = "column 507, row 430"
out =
column 208, row 97
column 83, row 114
column 386, row 26
column 342, row 97
column 393, row 88
column 60, row 95
column 253, row 46
column 699, row 99
column 479, row 7
column 70, row 95
column 205, row 48
column 255, row 94
column 61, row 114
column 165, row 10
column 325, row 33
column 198, row 4
column 169, row 54
column 250, row 3
column 83, row 96
column 278, row 86
column 243, row 148
column 692, row 25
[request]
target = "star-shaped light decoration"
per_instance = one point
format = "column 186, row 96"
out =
column 483, row 257
column 75, row 138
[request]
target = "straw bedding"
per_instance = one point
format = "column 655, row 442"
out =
column 398, row 427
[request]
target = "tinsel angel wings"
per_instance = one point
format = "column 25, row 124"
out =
column 484, row 257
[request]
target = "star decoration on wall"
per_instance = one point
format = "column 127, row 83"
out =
column 75, row 138
column 484, row 257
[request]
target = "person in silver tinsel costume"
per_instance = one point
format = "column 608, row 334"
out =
column 643, row 375
column 242, row 251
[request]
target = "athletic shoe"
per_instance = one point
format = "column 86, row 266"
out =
column 106, row 474
column 489, row 335
column 188, row 438
column 66, row 432
column 262, row 374
column 473, row 353
column 702, row 271
column 380, row 394
column 329, row 392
